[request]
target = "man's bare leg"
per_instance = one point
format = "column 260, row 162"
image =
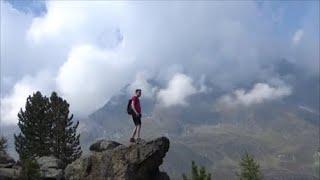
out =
column 139, row 128
column 134, row 132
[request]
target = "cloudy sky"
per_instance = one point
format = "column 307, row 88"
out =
column 87, row 51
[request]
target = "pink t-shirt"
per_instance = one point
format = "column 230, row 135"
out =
column 136, row 103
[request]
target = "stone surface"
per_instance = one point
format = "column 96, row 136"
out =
column 5, row 160
column 50, row 168
column 135, row 162
column 7, row 167
column 103, row 145
column 9, row 173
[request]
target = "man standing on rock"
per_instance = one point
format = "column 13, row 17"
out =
column 136, row 115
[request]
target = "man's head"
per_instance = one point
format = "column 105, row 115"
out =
column 138, row 92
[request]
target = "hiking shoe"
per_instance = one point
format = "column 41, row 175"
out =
column 139, row 140
column 132, row 140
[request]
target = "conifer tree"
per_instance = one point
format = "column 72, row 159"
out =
column 65, row 141
column 33, row 139
column 197, row 174
column 30, row 170
column 249, row 168
column 47, row 129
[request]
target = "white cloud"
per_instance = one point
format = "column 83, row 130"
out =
column 80, row 22
column 203, row 87
column 297, row 37
column 179, row 88
column 80, row 42
column 260, row 93
column 90, row 77
column 11, row 103
column 138, row 23
column 308, row 109
column 141, row 82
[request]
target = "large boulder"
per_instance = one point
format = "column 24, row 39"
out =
column 9, row 173
column 50, row 168
column 8, row 170
column 103, row 145
column 6, row 161
column 135, row 162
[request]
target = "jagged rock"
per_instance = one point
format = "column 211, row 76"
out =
column 103, row 145
column 7, row 169
column 135, row 162
column 5, row 160
column 50, row 168
column 9, row 173
column 162, row 176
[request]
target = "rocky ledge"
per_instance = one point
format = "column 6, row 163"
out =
column 111, row 160
column 8, row 167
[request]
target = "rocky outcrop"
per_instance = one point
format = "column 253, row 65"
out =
column 5, row 160
column 8, row 169
column 103, row 145
column 50, row 168
column 111, row 160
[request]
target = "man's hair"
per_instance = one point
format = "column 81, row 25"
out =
column 137, row 90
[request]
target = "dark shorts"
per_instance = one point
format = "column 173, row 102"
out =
column 136, row 119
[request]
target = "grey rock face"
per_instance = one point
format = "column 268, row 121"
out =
column 135, row 162
column 103, row 145
column 9, row 173
column 5, row 160
column 50, row 167
column 8, row 170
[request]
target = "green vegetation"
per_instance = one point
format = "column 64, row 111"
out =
column 30, row 170
column 197, row 174
column 35, row 125
column 249, row 168
column 65, row 141
column 46, row 129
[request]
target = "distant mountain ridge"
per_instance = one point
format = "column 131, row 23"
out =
column 281, row 134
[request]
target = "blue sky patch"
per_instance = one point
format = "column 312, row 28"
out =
column 36, row 7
